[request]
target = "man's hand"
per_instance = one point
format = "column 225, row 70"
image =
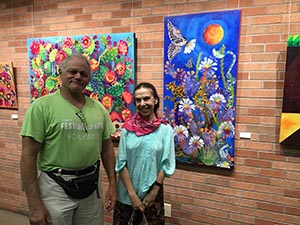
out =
column 110, row 199
column 39, row 216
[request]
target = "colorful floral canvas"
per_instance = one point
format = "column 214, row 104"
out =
column 200, row 70
column 112, row 59
column 8, row 93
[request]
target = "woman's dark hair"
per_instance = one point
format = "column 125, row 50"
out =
column 154, row 92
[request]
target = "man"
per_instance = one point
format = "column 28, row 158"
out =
column 63, row 136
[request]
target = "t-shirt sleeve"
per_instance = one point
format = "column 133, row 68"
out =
column 168, row 162
column 33, row 123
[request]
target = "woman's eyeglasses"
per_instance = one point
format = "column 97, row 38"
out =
column 81, row 116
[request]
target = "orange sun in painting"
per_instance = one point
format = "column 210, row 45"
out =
column 213, row 34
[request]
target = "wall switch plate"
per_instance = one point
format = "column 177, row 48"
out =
column 168, row 209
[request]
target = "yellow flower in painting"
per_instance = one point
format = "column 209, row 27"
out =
column 107, row 101
column 94, row 64
column 48, row 46
column 126, row 114
column 110, row 77
column 94, row 96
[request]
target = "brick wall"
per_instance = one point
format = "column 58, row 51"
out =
column 264, row 187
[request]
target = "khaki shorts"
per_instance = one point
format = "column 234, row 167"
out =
column 65, row 210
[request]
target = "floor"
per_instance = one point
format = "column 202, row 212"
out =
column 10, row 218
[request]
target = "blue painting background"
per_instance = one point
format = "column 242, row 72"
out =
column 202, row 116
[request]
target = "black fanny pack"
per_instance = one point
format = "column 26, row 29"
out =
column 80, row 187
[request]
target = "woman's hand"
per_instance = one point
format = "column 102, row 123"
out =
column 137, row 203
column 150, row 197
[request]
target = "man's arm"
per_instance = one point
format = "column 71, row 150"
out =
column 108, row 161
column 38, row 213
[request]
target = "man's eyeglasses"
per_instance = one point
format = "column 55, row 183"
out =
column 83, row 120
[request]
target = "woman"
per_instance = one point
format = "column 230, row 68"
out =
column 146, row 156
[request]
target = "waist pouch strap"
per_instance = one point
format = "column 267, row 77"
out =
column 80, row 187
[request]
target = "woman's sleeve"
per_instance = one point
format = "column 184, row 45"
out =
column 168, row 160
column 122, row 153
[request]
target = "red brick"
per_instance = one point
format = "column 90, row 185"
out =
column 292, row 193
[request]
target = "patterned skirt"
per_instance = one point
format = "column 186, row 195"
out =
column 154, row 214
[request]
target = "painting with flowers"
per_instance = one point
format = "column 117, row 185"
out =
column 112, row 59
column 8, row 93
column 200, row 71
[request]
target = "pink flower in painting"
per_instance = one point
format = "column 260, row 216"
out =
column 35, row 47
column 4, row 76
column 60, row 56
column 38, row 72
column 44, row 91
column 120, row 68
column 40, row 83
column 7, row 102
column 2, row 91
column 122, row 47
column 86, row 41
column 127, row 96
column 34, row 93
column 114, row 116
column 108, row 39
column 67, row 42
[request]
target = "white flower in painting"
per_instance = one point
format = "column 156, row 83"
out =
column 181, row 131
column 196, row 142
column 226, row 129
column 217, row 98
column 186, row 105
column 208, row 65
column 190, row 46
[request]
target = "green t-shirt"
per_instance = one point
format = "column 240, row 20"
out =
column 52, row 121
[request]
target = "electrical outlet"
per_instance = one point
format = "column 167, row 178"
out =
column 168, row 210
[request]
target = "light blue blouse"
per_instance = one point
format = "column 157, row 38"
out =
column 144, row 157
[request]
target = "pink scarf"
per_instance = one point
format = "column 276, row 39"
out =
column 140, row 126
